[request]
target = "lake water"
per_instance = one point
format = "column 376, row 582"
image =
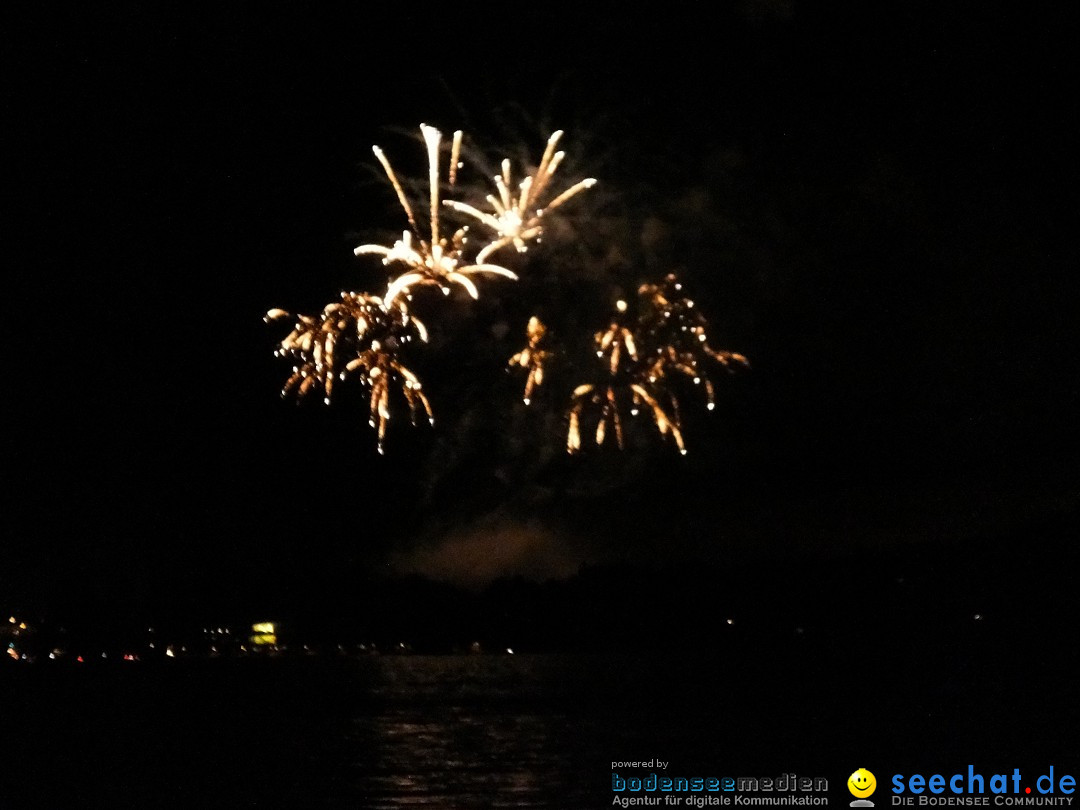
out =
column 495, row 731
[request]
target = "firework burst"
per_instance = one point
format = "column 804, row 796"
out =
column 624, row 391
column 515, row 218
column 361, row 327
column 382, row 371
column 644, row 360
column 437, row 262
column 534, row 357
column 667, row 341
column 677, row 335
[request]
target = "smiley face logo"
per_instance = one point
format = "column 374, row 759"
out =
column 861, row 783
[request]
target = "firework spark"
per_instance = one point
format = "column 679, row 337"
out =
column 676, row 332
column 516, row 218
column 355, row 322
column 533, row 357
column 667, row 341
column 381, row 371
column 627, row 389
column 617, row 344
column 361, row 327
column 610, row 402
column 436, row 262
column 603, row 399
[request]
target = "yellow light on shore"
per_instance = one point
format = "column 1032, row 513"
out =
column 264, row 634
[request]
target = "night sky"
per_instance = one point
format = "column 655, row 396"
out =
column 877, row 207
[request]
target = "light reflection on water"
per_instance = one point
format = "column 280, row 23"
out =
column 501, row 760
column 462, row 732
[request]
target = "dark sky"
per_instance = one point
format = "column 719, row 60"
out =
column 876, row 206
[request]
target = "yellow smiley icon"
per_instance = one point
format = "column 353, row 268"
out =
column 861, row 783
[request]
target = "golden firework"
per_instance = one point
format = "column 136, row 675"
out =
column 437, row 262
column 668, row 339
column 609, row 401
column 616, row 343
column 676, row 333
column 381, row 371
column 364, row 328
column 515, row 218
column 644, row 361
column 533, row 357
